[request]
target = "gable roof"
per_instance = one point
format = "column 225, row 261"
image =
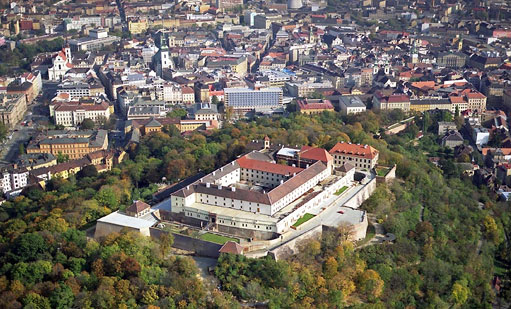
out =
column 314, row 153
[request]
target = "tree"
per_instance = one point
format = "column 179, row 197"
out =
column 3, row 131
column 166, row 240
column 491, row 230
column 21, row 148
column 29, row 247
column 61, row 158
column 460, row 292
column 214, row 100
column 87, row 124
column 88, row 171
column 371, row 284
column 62, row 297
column 36, row 301
column 177, row 113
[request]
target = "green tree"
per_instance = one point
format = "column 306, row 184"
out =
column 87, row 124
column 61, row 158
column 177, row 113
column 3, row 131
column 62, row 297
column 214, row 100
column 36, row 301
column 29, row 247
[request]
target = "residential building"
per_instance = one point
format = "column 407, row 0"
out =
column 228, row 4
column 452, row 139
column 12, row 109
column 445, row 126
column 72, row 115
column 351, row 105
column 476, row 101
column 74, row 144
column 394, row 101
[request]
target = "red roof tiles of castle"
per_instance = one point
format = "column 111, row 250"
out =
column 365, row 151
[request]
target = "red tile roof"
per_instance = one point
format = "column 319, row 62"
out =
column 398, row 98
column 312, row 104
column 475, row 95
column 231, row 247
column 317, row 154
column 281, row 169
column 357, row 150
column 137, row 207
column 455, row 99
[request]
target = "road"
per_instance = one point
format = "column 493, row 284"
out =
column 37, row 113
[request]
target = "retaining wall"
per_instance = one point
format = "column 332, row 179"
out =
column 291, row 247
column 362, row 195
column 199, row 246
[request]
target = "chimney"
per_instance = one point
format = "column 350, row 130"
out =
column 281, row 181
column 219, row 187
column 233, row 189
column 187, row 187
column 213, row 173
column 222, row 169
column 208, row 185
column 294, row 174
column 294, row 165
column 307, row 166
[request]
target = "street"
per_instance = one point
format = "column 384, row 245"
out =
column 36, row 117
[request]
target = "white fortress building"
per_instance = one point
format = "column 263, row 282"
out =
column 254, row 197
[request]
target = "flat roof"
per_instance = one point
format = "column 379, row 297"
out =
column 121, row 219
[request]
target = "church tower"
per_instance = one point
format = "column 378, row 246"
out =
column 67, row 52
column 162, row 58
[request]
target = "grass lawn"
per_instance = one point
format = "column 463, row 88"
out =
column 341, row 190
column 382, row 171
column 303, row 219
column 219, row 239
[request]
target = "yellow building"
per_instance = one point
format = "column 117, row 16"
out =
column 137, row 26
column 75, row 145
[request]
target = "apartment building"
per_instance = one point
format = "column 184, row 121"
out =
column 12, row 109
column 72, row 115
column 75, row 144
column 394, row 101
